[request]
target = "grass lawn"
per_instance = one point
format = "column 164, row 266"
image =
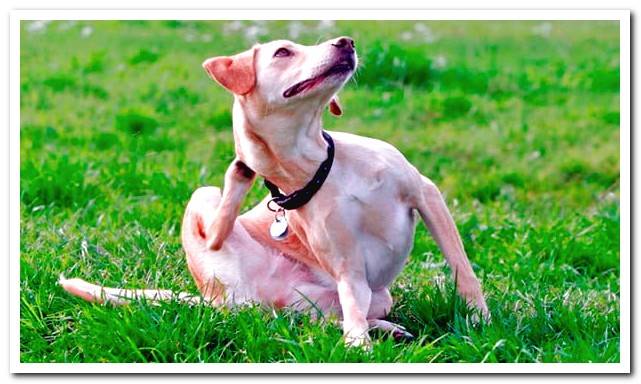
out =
column 517, row 122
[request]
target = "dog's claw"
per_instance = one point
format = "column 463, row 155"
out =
column 398, row 332
column 402, row 335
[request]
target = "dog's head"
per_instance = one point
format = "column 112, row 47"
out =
column 283, row 75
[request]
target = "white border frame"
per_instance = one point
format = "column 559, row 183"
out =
column 623, row 16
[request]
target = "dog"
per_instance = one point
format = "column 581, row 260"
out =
column 340, row 250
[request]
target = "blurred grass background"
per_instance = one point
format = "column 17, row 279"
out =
column 517, row 122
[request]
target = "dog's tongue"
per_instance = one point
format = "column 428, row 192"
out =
column 300, row 87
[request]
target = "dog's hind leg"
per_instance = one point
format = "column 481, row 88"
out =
column 199, row 215
column 380, row 307
column 238, row 179
column 241, row 270
column 199, row 212
column 381, row 304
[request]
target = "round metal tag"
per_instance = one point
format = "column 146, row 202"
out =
column 278, row 229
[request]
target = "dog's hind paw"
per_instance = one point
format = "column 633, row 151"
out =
column 398, row 332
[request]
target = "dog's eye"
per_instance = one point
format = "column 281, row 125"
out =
column 282, row 52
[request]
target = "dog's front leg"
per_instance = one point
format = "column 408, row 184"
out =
column 340, row 252
column 441, row 225
column 355, row 296
column 238, row 179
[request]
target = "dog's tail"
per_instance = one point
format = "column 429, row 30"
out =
column 121, row 296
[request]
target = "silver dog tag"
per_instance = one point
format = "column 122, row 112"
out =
column 278, row 229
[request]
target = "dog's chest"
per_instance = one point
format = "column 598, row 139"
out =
column 386, row 243
column 381, row 230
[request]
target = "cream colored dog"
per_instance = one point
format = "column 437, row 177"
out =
column 345, row 246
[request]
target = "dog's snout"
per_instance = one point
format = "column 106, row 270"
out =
column 344, row 43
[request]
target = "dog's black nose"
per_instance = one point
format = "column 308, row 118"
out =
column 344, row 43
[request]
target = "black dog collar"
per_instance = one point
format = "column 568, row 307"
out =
column 300, row 197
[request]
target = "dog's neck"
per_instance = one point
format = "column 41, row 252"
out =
column 284, row 147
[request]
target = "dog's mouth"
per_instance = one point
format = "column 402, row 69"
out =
column 343, row 66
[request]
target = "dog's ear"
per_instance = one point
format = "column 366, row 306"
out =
column 335, row 107
column 235, row 73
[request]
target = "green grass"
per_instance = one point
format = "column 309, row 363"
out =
column 517, row 122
